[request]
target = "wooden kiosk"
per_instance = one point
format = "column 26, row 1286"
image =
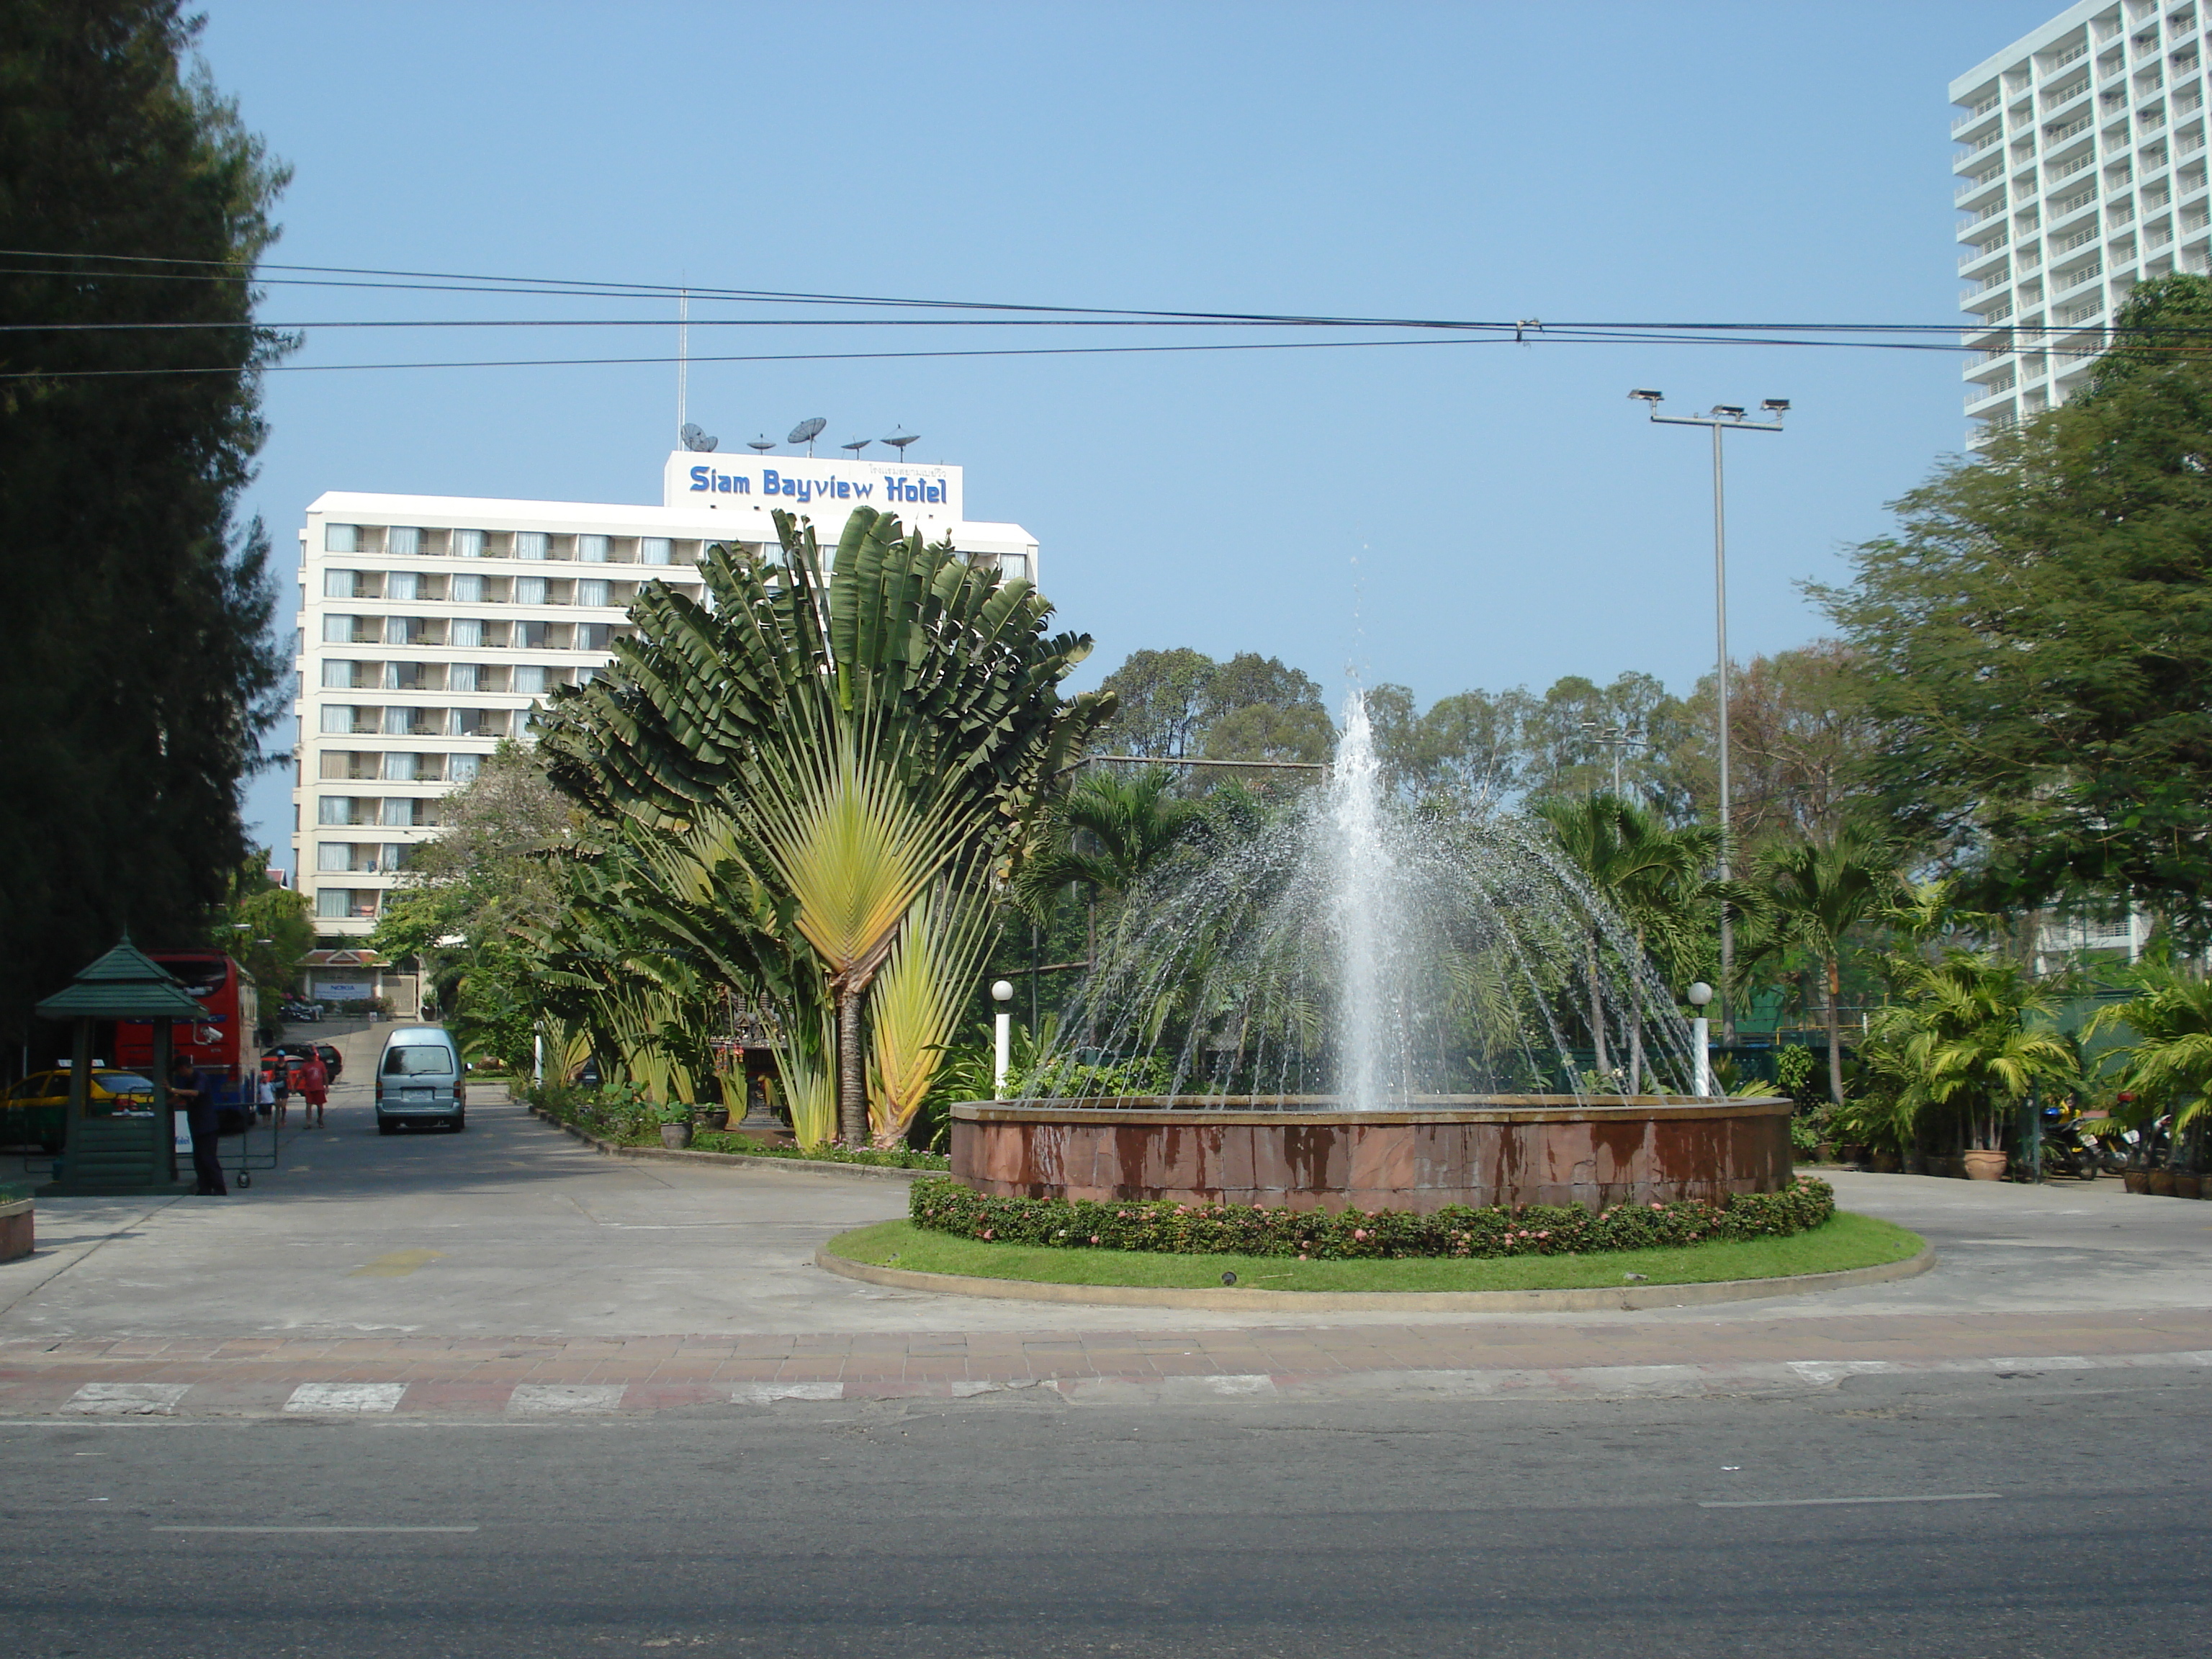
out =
column 118, row 1153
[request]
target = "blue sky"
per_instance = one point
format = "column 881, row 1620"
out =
column 1446, row 516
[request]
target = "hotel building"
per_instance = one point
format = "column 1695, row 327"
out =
column 431, row 625
column 2082, row 173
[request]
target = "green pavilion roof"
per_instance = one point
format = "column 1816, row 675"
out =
column 125, row 984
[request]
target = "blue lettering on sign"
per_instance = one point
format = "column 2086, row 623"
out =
column 699, row 478
column 864, row 490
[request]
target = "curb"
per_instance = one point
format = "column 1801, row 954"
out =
column 733, row 1160
column 1588, row 1299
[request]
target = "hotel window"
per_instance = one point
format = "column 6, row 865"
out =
column 336, row 630
column 340, row 538
column 337, row 584
column 403, row 584
column 654, row 550
column 467, row 633
column 533, row 636
column 399, row 812
column 530, row 679
column 333, row 855
column 462, row 769
column 590, row 591
column 530, row 590
column 591, row 549
column 338, row 676
column 468, row 544
column 333, row 903
column 404, row 539
column 338, row 719
column 403, row 677
column 398, row 721
column 468, row 590
column 400, row 768
column 586, row 676
column 461, row 676
column 532, row 545
column 333, row 809
column 593, row 636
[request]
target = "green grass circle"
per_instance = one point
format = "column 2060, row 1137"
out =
column 1848, row 1241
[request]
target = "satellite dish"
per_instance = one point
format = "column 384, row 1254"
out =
column 696, row 439
column 806, row 432
column 900, row 439
column 857, row 446
column 764, row 443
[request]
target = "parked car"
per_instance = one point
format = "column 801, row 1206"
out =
column 420, row 1081
column 299, row 1009
column 36, row 1108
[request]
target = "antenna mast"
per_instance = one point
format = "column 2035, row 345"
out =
column 683, row 353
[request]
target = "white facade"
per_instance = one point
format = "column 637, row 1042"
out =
column 2083, row 173
column 430, row 625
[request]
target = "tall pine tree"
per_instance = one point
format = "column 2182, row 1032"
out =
column 139, row 675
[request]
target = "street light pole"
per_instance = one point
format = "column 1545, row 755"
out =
column 1724, row 418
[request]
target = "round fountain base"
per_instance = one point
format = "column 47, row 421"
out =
column 1304, row 1152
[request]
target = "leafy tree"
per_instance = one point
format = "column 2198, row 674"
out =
column 1801, row 735
column 268, row 928
column 2039, row 646
column 1159, row 703
column 1810, row 895
column 1257, row 709
column 141, row 675
column 2168, row 1066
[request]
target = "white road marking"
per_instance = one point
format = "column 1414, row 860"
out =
column 267, row 1529
column 761, row 1393
column 127, row 1399
column 1811, row 1503
column 565, row 1397
column 332, row 1397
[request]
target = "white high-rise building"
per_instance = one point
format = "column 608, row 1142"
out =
column 2082, row 173
column 430, row 625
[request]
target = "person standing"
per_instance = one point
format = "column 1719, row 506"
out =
column 314, row 1089
column 201, row 1117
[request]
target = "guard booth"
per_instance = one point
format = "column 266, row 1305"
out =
column 119, row 1151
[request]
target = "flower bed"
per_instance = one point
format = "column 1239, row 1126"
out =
column 946, row 1207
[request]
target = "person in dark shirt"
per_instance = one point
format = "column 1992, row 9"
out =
column 200, row 1115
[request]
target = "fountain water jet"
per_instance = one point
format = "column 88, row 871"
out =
column 1361, row 1005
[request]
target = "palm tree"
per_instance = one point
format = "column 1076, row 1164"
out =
column 1655, row 877
column 1808, row 894
column 1102, row 835
column 1960, row 1036
column 845, row 740
column 2170, row 1062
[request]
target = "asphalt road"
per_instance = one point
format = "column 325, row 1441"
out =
column 2054, row 1513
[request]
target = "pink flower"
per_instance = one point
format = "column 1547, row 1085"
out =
column 1545, row 1234
column 1094, row 1239
column 987, row 1232
column 1360, row 1232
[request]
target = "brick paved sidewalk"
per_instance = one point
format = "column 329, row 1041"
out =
column 416, row 1375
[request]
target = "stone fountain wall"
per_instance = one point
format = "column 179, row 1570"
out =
column 1471, row 1149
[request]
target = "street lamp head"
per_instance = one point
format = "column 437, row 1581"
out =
column 1729, row 411
column 1775, row 405
column 1002, row 990
column 1700, row 994
column 1647, row 395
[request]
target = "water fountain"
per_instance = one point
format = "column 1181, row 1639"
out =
column 1369, row 1005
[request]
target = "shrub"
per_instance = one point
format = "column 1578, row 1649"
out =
column 898, row 1158
column 946, row 1207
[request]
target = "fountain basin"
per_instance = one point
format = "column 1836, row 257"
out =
column 1302, row 1152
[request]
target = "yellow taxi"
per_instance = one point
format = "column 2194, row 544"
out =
column 35, row 1107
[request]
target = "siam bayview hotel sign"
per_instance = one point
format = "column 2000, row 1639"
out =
column 752, row 487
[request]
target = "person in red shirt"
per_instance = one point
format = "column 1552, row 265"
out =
column 314, row 1083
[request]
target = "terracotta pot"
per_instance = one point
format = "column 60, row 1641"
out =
column 2186, row 1185
column 711, row 1117
column 2161, row 1183
column 676, row 1136
column 1982, row 1164
column 1886, row 1164
column 2136, row 1181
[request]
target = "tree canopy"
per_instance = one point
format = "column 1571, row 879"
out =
column 141, row 675
column 2037, row 638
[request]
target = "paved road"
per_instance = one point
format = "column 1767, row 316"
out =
column 2026, row 1514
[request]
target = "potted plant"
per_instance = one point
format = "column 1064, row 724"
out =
column 675, row 1126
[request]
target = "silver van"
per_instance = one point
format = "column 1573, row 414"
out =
column 420, row 1081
